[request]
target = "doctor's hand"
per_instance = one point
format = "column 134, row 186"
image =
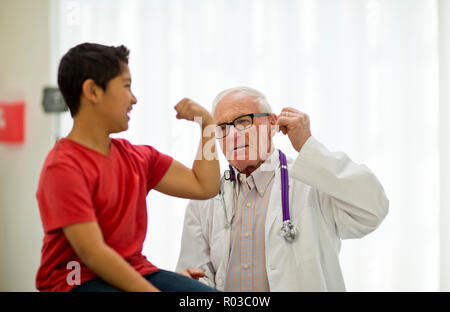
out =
column 192, row 273
column 190, row 110
column 295, row 124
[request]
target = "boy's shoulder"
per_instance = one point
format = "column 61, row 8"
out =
column 140, row 149
column 62, row 160
column 67, row 153
column 62, row 153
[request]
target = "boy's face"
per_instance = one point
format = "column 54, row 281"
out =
column 117, row 101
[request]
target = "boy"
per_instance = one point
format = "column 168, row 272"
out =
column 92, row 188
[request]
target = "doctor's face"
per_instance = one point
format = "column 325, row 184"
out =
column 248, row 148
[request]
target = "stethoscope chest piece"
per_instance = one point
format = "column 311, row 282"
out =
column 288, row 230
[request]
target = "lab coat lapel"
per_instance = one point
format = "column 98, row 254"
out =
column 274, row 208
column 229, row 200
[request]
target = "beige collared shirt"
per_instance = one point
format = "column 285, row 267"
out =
column 247, row 266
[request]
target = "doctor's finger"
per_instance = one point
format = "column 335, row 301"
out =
column 281, row 128
column 291, row 109
column 196, row 273
column 285, row 121
column 184, row 272
column 288, row 111
column 288, row 114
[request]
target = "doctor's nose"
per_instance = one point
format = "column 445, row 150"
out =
column 232, row 132
column 235, row 135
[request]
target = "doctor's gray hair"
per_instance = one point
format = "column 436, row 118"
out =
column 261, row 98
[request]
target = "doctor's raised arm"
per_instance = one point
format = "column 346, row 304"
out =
column 350, row 195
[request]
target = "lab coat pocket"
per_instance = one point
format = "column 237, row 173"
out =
column 307, row 239
column 218, row 242
column 312, row 276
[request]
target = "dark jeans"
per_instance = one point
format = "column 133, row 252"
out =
column 161, row 279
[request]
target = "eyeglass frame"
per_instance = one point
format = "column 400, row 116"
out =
column 252, row 115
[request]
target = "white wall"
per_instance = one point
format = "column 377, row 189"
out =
column 444, row 114
column 25, row 67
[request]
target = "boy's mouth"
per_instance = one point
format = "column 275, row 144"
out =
column 128, row 112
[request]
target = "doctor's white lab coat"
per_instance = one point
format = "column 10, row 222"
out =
column 330, row 198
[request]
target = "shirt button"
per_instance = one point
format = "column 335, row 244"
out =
column 246, row 235
column 246, row 266
column 248, row 205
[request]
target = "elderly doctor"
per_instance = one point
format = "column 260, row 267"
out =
column 277, row 224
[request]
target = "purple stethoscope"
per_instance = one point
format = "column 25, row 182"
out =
column 288, row 229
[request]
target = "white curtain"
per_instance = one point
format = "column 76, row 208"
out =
column 366, row 71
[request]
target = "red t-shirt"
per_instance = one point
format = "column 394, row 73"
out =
column 78, row 184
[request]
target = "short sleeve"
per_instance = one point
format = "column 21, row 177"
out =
column 64, row 198
column 158, row 164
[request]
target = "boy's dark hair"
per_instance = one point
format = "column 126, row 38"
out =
column 88, row 61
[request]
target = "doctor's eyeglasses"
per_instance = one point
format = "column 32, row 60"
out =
column 240, row 123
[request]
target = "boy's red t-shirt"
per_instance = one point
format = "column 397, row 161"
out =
column 78, row 184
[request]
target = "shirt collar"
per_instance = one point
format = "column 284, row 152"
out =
column 261, row 177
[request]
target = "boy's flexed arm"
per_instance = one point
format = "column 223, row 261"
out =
column 202, row 181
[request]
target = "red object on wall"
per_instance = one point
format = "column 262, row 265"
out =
column 12, row 121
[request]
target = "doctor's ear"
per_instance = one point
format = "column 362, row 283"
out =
column 273, row 124
column 273, row 119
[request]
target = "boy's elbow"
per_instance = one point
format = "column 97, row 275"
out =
column 90, row 254
column 85, row 254
column 210, row 191
column 95, row 259
column 209, row 188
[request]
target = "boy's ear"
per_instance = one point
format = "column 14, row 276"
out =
column 91, row 91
